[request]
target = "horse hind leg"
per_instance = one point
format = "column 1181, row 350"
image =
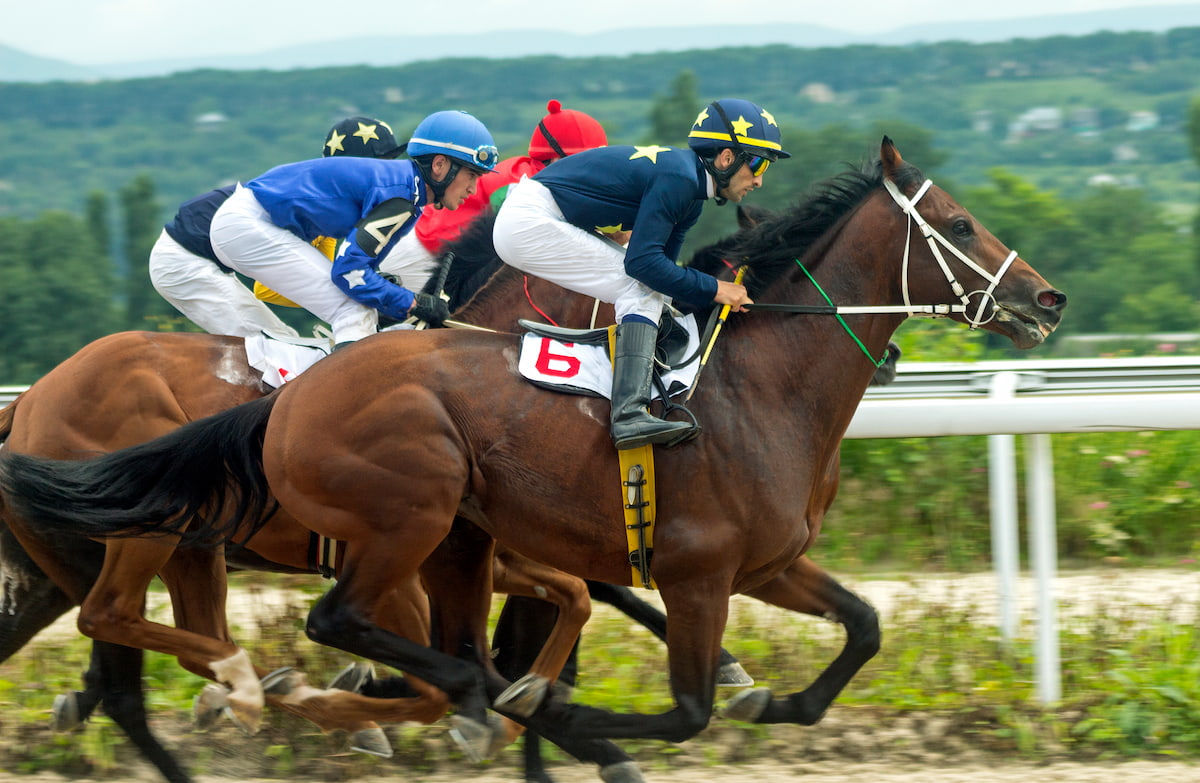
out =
column 195, row 579
column 805, row 587
column 116, row 673
column 114, row 612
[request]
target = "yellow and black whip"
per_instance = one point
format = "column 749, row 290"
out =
column 713, row 340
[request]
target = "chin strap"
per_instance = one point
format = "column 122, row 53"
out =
column 439, row 185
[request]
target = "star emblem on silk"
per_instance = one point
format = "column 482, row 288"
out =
column 356, row 278
column 648, row 152
column 366, row 132
column 770, row 118
column 335, row 142
column 701, row 117
column 609, row 229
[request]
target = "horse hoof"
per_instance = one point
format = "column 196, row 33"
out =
column 748, row 705
column 472, row 737
column 734, row 676
column 373, row 742
column 281, row 682
column 245, row 712
column 209, row 705
column 524, row 696
column 501, row 738
column 64, row 715
column 625, row 772
column 353, row 677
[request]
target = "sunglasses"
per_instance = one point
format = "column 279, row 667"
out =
column 756, row 163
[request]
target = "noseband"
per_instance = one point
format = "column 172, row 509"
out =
column 934, row 239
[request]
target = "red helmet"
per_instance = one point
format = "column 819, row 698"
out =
column 565, row 132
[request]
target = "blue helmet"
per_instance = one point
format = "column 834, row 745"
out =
column 736, row 124
column 456, row 135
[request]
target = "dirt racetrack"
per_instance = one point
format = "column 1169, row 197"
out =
column 850, row 744
column 772, row 772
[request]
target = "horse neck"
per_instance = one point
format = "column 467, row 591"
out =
column 811, row 362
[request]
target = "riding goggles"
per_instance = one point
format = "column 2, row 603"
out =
column 756, row 163
column 484, row 156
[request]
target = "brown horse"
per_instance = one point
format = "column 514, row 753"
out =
column 151, row 383
column 131, row 387
column 420, row 451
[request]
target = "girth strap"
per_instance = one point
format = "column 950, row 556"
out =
column 637, row 484
column 322, row 555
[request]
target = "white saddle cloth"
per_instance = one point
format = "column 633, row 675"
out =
column 586, row 369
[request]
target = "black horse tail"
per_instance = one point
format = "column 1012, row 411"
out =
column 203, row 481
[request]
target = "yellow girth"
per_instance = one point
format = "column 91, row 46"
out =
column 637, row 495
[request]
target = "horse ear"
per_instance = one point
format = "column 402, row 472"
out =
column 749, row 216
column 890, row 157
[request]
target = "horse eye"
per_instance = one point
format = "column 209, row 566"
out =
column 961, row 227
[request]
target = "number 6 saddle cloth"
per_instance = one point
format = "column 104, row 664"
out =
column 577, row 361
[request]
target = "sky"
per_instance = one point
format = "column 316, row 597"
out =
column 94, row 32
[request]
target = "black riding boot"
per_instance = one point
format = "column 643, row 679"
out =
column 632, row 423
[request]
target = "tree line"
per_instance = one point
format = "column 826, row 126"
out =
column 1126, row 265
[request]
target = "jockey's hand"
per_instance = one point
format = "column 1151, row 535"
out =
column 430, row 309
column 733, row 294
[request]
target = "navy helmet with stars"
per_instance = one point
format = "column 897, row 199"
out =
column 361, row 137
column 737, row 124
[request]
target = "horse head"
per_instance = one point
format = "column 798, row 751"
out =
column 987, row 284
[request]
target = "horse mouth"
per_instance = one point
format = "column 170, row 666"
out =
column 1025, row 330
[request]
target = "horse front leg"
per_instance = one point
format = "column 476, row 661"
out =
column 623, row 598
column 805, row 587
column 697, row 610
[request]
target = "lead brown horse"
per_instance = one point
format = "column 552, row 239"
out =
column 423, row 450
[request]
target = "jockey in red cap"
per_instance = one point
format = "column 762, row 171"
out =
column 560, row 133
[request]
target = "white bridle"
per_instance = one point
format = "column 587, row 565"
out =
column 935, row 239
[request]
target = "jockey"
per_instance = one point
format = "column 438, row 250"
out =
column 560, row 133
column 265, row 228
column 550, row 226
column 185, row 270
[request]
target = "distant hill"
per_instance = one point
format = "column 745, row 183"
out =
column 16, row 66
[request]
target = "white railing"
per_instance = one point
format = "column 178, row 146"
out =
column 1035, row 399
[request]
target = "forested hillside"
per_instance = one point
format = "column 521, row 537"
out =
column 1057, row 110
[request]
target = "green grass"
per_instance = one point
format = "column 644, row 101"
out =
column 1131, row 685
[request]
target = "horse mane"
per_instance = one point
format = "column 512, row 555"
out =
column 475, row 260
column 771, row 246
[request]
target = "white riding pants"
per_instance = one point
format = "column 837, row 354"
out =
column 245, row 239
column 214, row 300
column 532, row 235
column 409, row 261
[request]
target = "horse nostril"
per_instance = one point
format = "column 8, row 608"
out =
column 1052, row 299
